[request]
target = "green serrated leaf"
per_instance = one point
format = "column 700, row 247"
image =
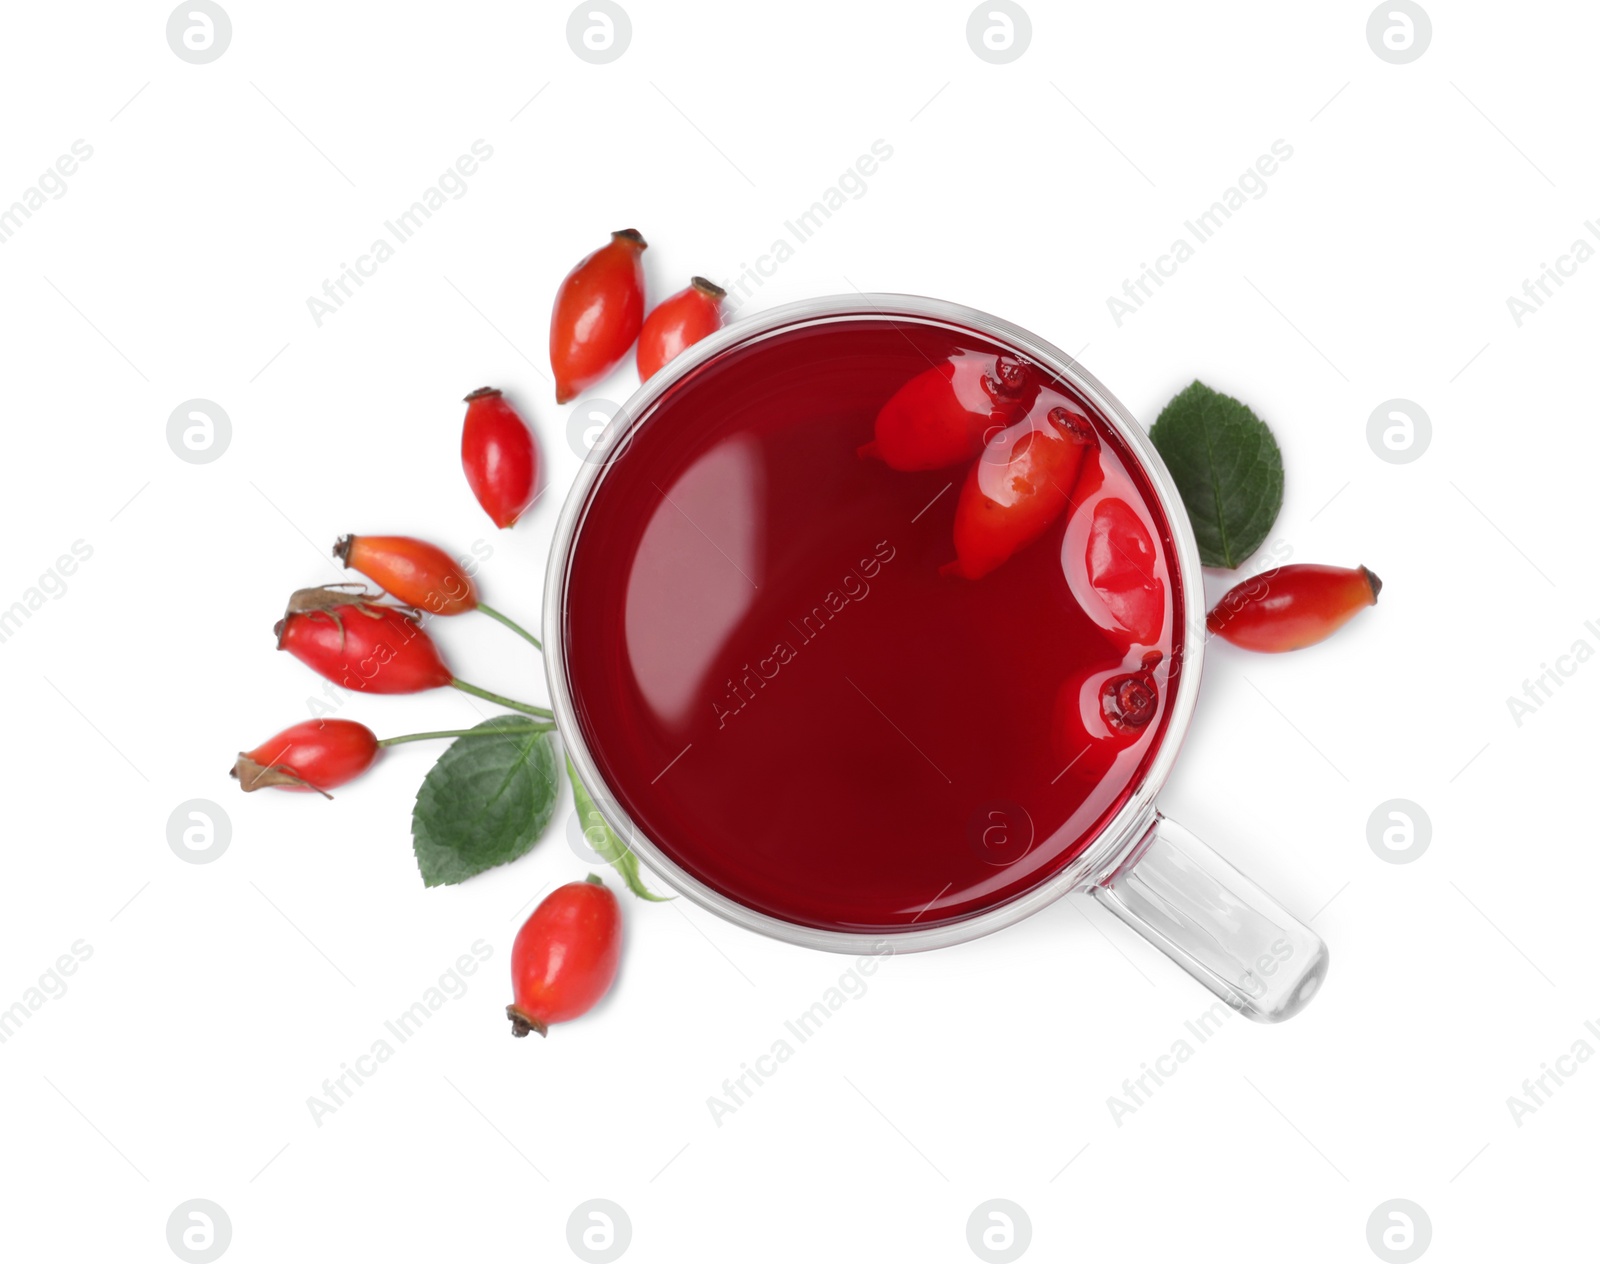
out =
column 1228, row 470
column 486, row 801
column 605, row 843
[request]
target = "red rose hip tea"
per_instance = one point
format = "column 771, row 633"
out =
column 872, row 623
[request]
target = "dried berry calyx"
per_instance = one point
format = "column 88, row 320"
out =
column 329, row 599
column 1008, row 379
column 253, row 776
column 1130, row 702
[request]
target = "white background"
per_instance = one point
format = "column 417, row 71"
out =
column 219, row 996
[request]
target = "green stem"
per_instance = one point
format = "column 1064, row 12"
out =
column 523, row 707
column 515, row 627
column 423, row 737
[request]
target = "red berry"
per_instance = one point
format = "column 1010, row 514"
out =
column 597, row 315
column 1292, row 607
column 1018, row 486
column 499, row 457
column 1121, row 560
column 679, row 322
column 377, row 649
column 565, row 956
column 315, row 755
column 413, row 571
column 1102, row 711
column 945, row 414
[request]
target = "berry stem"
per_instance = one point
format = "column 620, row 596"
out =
column 515, row 627
column 422, row 737
column 542, row 712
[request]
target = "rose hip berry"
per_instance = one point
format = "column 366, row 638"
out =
column 373, row 648
column 1102, row 712
column 314, row 755
column 1121, row 559
column 945, row 414
column 498, row 456
column 599, row 308
column 1293, row 606
column 1129, row 702
column 677, row 323
column 413, row 571
column 565, row 956
column 1017, row 488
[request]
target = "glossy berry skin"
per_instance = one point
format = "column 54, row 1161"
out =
column 316, row 755
column 1120, row 560
column 1018, row 487
column 375, row 649
column 565, row 956
column 597, row 315
column 1293, row 606
column 1102, row 711
column 409, row 570
column 498, row 456
column 679, row 322
column 945, row 414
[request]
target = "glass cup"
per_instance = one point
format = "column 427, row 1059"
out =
column 1148, row 870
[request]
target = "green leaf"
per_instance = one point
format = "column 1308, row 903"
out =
column 599, row 836
column 486, row 801
column 1228, row 470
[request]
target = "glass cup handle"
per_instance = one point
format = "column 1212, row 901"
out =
column 1215, row 923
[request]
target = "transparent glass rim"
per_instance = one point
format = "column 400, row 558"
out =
column 1119, row 834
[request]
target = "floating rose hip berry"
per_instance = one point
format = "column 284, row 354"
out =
column 1121, row 561
column 1292, row 607
column 314, row 755
column 1102, row 711
column 413, row 571
column 1018, row 487
column 679, row 322
column 373, row 648
column 597, row 315
column 945, row 414
column 565, row 956
column 498, row 456
column 1129, row 702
